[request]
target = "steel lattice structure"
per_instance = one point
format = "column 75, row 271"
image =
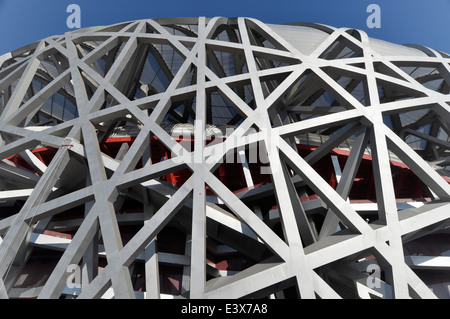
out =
column 128, row 154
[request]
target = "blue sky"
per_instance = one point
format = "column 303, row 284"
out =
column 402, row 21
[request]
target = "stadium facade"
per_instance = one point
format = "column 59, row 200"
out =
column 224, row 158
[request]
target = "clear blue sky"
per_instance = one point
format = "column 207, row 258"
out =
column 425, row 22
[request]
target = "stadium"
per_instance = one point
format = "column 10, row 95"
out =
column 224, row 158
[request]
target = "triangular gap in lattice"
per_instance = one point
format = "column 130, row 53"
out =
column 409, row 174
column 55, row 104
column 53, row 64
column 366, row 270
column 158, row 65
column 259, row 37
column 190, row 77
column 382, row 68
column 422, row 133
column 270, row 82
column 342, row 48
column 228, row 33
column 105, row 62
column 47, row 72
column 310, row 96
column 100, row 54
column 422, row 130
column 244, row 90
column 181, row 30
column 225, row 63
column 433, row 76
column 221, row 110
column 250, row 213
column 231, row 250
column 389, row 92
column 353, row 82
column 117, row 134
column 266, row 60
column 180, row 110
